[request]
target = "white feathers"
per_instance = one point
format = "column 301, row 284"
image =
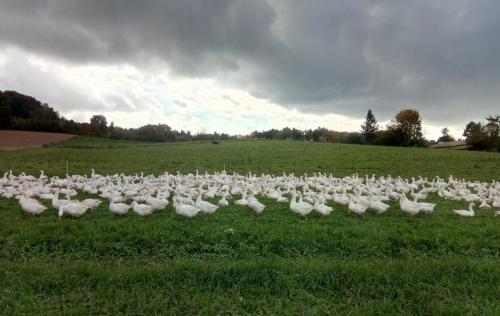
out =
column 31, row 206
column 466, row 213
column 207, row 193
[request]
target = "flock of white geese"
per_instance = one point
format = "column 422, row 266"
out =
column 146, row 194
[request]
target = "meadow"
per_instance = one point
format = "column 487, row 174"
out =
column 233, row 262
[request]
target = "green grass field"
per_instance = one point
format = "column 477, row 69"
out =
column 275, row 263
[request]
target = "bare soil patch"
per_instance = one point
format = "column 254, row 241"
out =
column 11, row 140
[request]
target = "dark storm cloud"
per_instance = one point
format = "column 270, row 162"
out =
column 440, row 57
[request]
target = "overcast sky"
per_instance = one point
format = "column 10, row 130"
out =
column 239, row 65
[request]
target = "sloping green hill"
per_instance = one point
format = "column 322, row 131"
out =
column 111, row 156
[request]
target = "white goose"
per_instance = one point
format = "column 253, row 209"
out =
column 119, row 208
column 255, row 205
column 243, row 201
column 187, row 210
column 407, row 206
column 424, row 207
column 95, row 175
column 156, row 203
column 42, row 175
column 341, row 199
column 301, row 208
column 56, row 202
column 322, row 208
column 496, row 202
column 73, row 209
column 418, row 195
column 142, row 209
column 466, row 213
column 282, row 199
column 44, row 193
column 204, row 206
column 223, row 202
column 183, row 200
column 378, row 206
column 484, row 205
column 355, row 207
column 92, row 204
column 31, row 206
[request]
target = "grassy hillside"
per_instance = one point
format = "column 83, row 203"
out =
column 275, row 263
column 256, row 156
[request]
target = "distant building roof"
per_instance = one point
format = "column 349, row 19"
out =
column 457, row 145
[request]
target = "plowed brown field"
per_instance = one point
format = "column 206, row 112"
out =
column 21, row 139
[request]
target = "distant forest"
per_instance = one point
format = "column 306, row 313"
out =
column 22, row 112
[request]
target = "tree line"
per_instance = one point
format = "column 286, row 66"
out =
column 484, row 136
column 22, row 112
column 405, row 129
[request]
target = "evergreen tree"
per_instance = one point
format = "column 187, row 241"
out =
column 369, row 127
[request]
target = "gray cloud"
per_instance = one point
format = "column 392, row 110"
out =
column 17, row 73
column 440, row 57
column 181, row 104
